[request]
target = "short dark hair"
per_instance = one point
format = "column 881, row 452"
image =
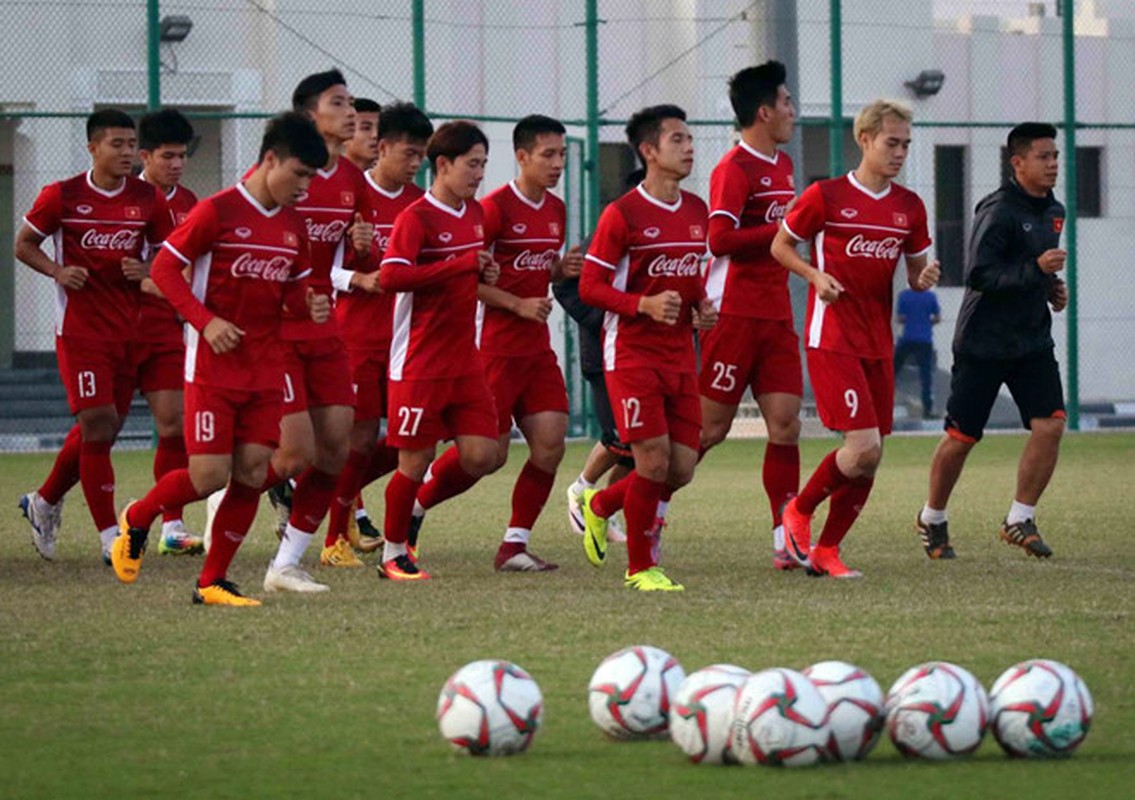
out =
column 364, row 105
column 99, row 121
column 404, row 120
column 307, row 92
column 292, row 134
column 168, row 126
column 454, row 139
column 646, row 126
column 1021, row 138
column 754, row 87
column 530, row 128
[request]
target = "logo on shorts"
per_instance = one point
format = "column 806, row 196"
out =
column 84, row 209
column 1058, row 224
column 347, row 198
column 519, row 227
column 900, row 220
column 243, row 233
column 445, row 236
column 848, row 213
column 133, row 212
column 651, row 233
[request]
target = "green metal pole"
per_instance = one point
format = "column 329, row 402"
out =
column 592, row 165
column 419, row 15
column 835, row 124
column 153, row 55
column 1070, row 184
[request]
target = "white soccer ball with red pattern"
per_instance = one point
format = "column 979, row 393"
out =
column 630, row 693
column 937, row 710
column 1040, row 709
column 490, row 708
column 702, row 711
column 779, row 719
column 855, row 707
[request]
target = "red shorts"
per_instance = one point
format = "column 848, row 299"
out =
column 317, row 373
column 650, row 402
column 524, row 385
column 423, row 413
column 853, row 393
column 759, row 354
column 159, row 366
column 96, row 372
column 368, row 373
column 216, row 420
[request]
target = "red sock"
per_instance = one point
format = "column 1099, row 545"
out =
column 271, row 480
column 174, row 490
column 361, row 506
column 96, row 473
column 667, row 493
column 400, row 494
column 383, row 460
column 447, row 480
column 847, row 501
column 825, row 480
column 65, row 471
column 531, row 491
column 781, row 475
column 641, row 504
column 610, row 500
column 346, row 490
column 311, row 499
column 234, row 518
column 169, row 456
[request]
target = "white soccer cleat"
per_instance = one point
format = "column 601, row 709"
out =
column 212, row 503
column 575, row 508
column 292, row 579
column 615, row 531
column 45, row 520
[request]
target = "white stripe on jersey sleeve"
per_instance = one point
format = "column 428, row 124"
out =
column 600, row 261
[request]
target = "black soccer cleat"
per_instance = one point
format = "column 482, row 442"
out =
column 1025, row 536
column 935, row 539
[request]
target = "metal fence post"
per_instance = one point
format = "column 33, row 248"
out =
column 1070, row 188
column 153, row 55
column 835, row 124
column 592, row 165
column 419, row 34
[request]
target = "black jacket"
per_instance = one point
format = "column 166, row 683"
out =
column 590, row 321
column 1005, row 312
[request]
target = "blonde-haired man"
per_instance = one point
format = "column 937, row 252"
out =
column 859, row 225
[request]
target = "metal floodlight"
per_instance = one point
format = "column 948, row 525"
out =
column 174, row 28
column 927, row 84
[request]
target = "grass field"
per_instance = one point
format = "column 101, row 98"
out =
column 129, row 691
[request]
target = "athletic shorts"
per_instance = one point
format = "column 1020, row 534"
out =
column 423, row 413
column 159, row 366
column 740, row 353
column 368, row 374
column 216, row 420
column 853, row 393
column 649, row 403
column 317, row 373
column 525, row 385
column 1032, row 380
column 96, row 372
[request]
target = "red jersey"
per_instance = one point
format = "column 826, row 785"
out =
column 158, row 322
column 435, row 324
column 366, row 320
column 328, row 209
column 96, row 229
column 651, row 246
column 751, row 189
column 857, row 238
column 246, row 262
column 526, row 238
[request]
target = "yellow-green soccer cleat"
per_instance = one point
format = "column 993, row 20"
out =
column 594, row 531
column 652, row 580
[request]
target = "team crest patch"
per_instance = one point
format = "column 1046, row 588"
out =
column 1058, row 224
column 347, row 198
column 554, row 228
column 291, row 240
column 791, row 182
column 900, row 220
column 696, row 232
column 181, row 217
column 479, row 230
column 133, row 212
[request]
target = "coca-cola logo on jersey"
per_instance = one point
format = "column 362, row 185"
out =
column 329, row 232
column 685, row 267
column 534, row 262
column 776, row 211
column 275, row 268
column 382, row 240
column 860, row 246
column 115, row 240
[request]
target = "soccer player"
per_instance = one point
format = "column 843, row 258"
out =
column 754, row 344
column 524, row 229
column 362, row 148
column 859, row 225
column 643, row 268
column 435, row 260
column 366, row 313
column 1004, row 336
column 246, row 252
column 101, row 222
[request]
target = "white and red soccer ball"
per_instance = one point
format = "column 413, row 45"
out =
column 490, row 708
column 631, row 692
column 779, row 719
column 1040, row 709
column 855, row 708
column 701, row 713
column 937, row 711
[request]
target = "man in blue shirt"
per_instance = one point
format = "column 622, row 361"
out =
column 918, row 312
